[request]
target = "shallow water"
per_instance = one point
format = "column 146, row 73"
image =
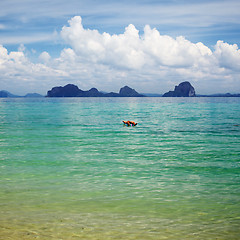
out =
column 69, row 169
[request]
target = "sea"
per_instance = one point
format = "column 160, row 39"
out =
column 70, row 169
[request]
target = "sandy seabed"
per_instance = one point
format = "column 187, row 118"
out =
column 109, row 226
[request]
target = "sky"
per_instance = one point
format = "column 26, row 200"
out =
column 149, row 45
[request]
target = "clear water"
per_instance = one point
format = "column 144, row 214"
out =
column 69, row 169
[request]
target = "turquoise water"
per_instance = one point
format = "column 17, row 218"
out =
column 69, row 169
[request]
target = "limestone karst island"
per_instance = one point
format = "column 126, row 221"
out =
column 184, row 89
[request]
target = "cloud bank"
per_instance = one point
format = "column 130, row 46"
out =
column 130, row 50
column 149, row 62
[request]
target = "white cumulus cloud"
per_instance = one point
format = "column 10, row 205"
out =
column 44, row 57
column 228, row 55
column 19, row 73
column 131, row 50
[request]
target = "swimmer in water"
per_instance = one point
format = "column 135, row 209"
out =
column 128, row 123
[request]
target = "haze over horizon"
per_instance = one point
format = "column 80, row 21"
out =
column 150, row 46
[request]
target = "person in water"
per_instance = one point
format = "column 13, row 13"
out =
column 128, row 123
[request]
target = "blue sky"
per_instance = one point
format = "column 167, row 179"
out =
column 148, row 45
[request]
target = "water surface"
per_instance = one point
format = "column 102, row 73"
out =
column 69, row 169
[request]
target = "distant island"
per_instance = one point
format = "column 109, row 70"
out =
column 6, row 94
column 184, row 89
column 71, row 90
column 220, row 95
